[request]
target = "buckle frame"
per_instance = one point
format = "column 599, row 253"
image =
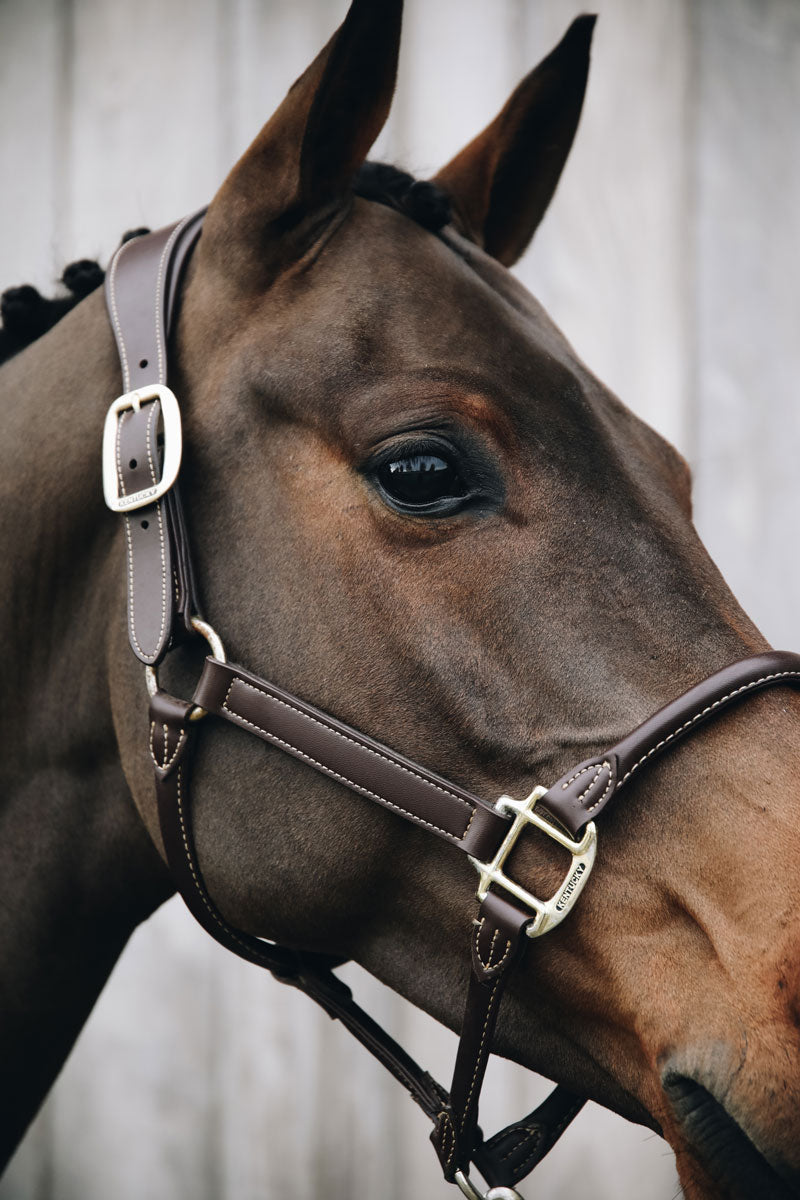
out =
column 173, row 444
column 548, row 913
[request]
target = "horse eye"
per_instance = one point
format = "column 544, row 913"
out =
column 420, row 480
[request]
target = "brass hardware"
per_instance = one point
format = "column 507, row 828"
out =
column 548, row 913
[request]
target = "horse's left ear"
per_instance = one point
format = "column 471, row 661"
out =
column 503, row 181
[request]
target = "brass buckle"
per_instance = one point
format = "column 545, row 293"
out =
column 171, row 417
column 549, row 913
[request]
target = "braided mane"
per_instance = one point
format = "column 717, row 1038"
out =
column 27, row 314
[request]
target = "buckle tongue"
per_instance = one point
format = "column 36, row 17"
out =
column 548, row 913
column 171, row 416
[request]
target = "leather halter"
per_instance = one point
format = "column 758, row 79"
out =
column 141, row 461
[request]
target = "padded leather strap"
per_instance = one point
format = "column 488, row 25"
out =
column 584, row 791
column 352, row 758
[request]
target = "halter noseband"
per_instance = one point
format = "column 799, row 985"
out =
column 140, row 476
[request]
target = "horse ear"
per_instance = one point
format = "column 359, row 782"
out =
column 503, row 181
column 301, row 166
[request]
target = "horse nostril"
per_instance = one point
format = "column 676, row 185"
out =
column 723, row 1147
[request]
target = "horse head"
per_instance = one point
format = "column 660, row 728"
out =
column 412, row 505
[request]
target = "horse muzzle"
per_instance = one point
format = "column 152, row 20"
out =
column 739, row 1169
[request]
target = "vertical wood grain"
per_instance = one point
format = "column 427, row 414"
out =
column 35, row 66
column 669, row 258
column 747, row 305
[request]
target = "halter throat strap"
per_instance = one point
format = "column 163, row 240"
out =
column 142, row 447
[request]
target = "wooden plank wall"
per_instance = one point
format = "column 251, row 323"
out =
column 671, row 260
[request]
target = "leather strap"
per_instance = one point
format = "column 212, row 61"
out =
column 362, row 764
column 513, row 1153
column 159, row 577
column 584, row 791
column 141, row 291
column 142, row 288
column 497, row 942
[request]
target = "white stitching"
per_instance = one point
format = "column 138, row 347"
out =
column 148, row 433
column 608, row 788
column 465, row 1116
column 488, row 965
column 452, row 1132
column 335, row 774
column 530, row 1131
column 554, row 1134
column 201, row 890
column 167, row 761
column 128, row 538
column 577, row 775
column 162, row 547
column 600, row 768
column 112, row 289
column 536, row 1133
column 126, row 382
column 746, row 687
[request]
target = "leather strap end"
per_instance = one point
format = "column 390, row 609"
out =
column 444, row 1138
column 497, row 938
column 585, row 789
column 513, row 1153
column 169, row 737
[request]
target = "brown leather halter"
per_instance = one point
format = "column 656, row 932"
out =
column 141, row 458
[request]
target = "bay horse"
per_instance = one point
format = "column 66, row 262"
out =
column 410, row 504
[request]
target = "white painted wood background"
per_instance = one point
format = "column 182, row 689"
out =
column 671, row 259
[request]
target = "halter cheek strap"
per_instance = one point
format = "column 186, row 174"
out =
column 142, row 445
column 142, row 438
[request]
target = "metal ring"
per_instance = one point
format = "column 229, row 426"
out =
column 469, row 1189
column 212, row 637
column 217, row 649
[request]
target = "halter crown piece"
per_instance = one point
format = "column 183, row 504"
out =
column 141, row 465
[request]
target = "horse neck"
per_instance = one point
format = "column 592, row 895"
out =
column 77, row 869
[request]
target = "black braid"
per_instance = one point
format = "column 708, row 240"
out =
column 418, row 199
column 26, row 314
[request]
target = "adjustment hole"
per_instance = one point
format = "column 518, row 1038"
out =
column 160, row 439
column 143, row 363
column 132, row 464
column 145, row 524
